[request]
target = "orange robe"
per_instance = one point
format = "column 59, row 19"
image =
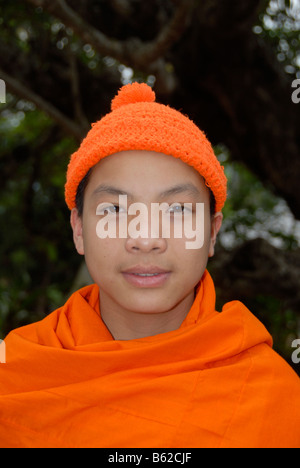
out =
column 214, row 382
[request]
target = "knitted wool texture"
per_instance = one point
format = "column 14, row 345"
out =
column 137, row 122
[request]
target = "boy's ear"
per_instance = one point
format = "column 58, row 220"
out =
column 215, row 228
column 76, row 223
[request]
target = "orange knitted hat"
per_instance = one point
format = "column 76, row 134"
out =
column 137, row 122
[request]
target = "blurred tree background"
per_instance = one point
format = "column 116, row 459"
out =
column 228, row 64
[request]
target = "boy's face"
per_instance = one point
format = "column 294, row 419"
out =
column 144, row 275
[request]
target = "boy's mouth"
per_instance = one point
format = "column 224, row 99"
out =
column 146, row 276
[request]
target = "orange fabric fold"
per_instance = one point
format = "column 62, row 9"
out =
column 214, row 382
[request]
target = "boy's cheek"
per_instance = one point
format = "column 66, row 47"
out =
column 103, row 253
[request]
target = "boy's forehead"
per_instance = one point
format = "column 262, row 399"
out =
column 149, row 164
column 141, row 157
column 128, row 170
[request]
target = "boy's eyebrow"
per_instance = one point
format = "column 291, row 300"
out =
column 181, row 188
column 177, row 189
column 110, row 190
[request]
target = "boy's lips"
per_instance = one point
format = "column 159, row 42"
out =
column 145, row 270
column 146, row 276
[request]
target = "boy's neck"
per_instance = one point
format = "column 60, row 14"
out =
column 126, row 325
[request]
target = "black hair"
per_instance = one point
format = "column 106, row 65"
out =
column 212, row 201
column 83, row 185
column 80, row 193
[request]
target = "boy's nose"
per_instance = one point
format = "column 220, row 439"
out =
column 146, row 245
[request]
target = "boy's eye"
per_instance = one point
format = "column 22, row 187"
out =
column 180, row 208
column 177, row 209
column 110, row 208
column 114, row 209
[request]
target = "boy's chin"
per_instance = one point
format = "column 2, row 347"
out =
column 147, row 302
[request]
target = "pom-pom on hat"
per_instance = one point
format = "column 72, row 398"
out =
column 137, row 122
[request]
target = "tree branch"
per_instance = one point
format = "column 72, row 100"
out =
column 122, row 7
column 130, row 52
column 76, row 95
column 22, row 91
column 151, row 51
column 88, row 33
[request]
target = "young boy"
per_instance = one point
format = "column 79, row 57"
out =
column 142, row 358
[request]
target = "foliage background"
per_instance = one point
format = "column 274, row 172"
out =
column 45, row 117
